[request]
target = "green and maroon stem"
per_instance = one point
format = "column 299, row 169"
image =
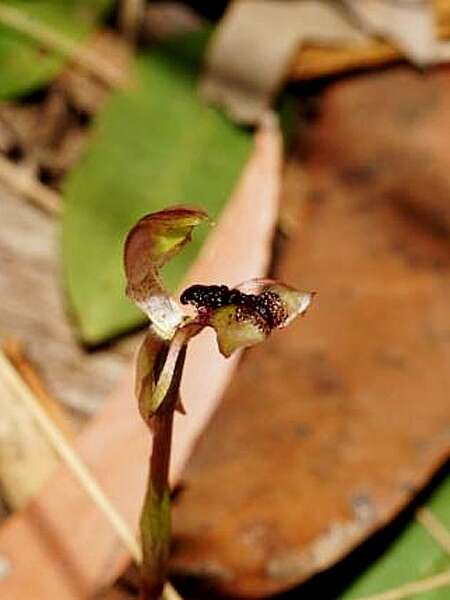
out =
column 155, row 516
column 155, row 525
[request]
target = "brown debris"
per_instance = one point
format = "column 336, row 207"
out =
column 54, row 40
column 249, row 54
column 332, row 427
column 42, row 139
column 165, row 19
column 26, row 458
column 33, row 310
column 83, row 91
column 15, row 352
column 314, row 61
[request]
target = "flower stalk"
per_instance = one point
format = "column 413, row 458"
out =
column 155, row 516
column 155, row 524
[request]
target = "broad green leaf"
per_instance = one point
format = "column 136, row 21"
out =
column 24, row 64
column 414, row 555
column 155, row 144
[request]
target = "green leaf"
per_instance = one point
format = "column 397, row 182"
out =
column 414, row 555
column 24, row 64
column 153, row 145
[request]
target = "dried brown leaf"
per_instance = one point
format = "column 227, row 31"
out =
column 408, row 24
column 254, row 45
column 332, row 427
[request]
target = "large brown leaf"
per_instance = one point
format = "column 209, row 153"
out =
column 72, row 551
column 332, row 427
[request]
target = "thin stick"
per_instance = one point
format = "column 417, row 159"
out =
column 78, row 468
column 64, row 450
column 23, row 182
column 52, row 39
column 434, row 527
column 413, row 588
column 131, row 13
column 170, row 593
column 15, row 353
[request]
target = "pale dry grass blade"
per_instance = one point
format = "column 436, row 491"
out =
column 67, row 454
column 435, row 528
column 413, row 589
column 9, row 376
column 23, row 182
column 54, row 40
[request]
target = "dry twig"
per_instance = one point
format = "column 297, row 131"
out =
column 77, row 467
column 441, row 535
column 131, row 14
column 434, row 527
column 53, row 40
column 63, row 449
column 21, row 181
column 413, row 588
column 313, row 61
column 14, row 351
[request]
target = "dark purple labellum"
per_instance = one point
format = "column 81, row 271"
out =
column 267, row 305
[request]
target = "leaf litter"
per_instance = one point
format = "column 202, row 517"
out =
column 352, row 418
column 254, row 46
column 414, row 200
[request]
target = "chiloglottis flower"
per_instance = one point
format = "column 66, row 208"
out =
column 245, row 315
column 241, row 316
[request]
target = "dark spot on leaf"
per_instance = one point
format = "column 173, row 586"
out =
column 408, row 487
column 363, row 507
column 393, row 359
column 177, row 491
column 302, row 430
column 358, row 174
column 15, row 153
column 324, row 375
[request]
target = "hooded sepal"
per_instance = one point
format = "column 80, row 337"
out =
column 149, row 245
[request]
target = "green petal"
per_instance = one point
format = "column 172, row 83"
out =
column 271, row 305
column 236, row 329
